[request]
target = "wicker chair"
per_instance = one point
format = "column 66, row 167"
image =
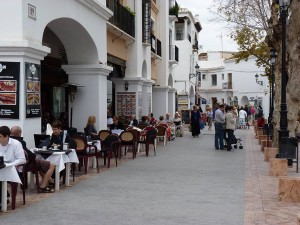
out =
column 84, row 151
column 127, row 140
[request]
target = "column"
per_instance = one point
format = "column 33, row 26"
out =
column 91, row 99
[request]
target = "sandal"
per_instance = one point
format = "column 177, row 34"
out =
column 46, row 190
column 51, row 185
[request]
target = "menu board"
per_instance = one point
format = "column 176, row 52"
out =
column 126, row 104
column 9, row 89
column 33, row 90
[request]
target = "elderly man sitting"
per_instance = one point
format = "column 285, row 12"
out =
column 44, row 167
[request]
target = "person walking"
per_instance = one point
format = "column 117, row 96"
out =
column 242, row 117
column 209, row 118
column 195, row 121
column 230, row 127
column 219, row 133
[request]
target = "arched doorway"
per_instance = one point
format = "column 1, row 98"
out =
column 244, row 101
column 70, row 43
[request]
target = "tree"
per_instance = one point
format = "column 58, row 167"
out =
column 247, row 21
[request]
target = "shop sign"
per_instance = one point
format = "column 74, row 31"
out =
column 9, row 89
column 183, row 99
column 33, row 90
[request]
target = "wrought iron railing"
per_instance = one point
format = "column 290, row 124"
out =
column 122, row 18
column 173, row 53
column 155, row 45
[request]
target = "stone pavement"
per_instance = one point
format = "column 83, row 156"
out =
column 187, row 182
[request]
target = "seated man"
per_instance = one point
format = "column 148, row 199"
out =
column 117, row 125
column 58, row 136
column 10, row 149
column 44, row 167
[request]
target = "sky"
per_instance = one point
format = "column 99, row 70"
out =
column 209, row 36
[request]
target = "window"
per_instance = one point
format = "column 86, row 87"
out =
column 203, row 76
column 214, row 80
column 222, row 76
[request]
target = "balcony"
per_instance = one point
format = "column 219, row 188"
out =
column 174, row 8
column 155, row 45
column 122, row 18
column 173, row 54
column 227, row 85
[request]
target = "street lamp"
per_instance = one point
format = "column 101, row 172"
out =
column 258, row 81
column 283, row 131
column 273, row 57
column 191, row 75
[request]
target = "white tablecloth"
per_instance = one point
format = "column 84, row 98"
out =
column 8, row 173
column 118, row 132
column 59, row 159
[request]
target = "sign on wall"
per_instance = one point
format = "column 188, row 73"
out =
column 126, row 104
column 33, row 90
column 9, row 89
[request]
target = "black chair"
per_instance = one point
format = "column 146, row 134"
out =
column 150, row 139
column 110, row 146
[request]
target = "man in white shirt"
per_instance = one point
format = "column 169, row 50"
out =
column 11, row 149
column 242, row 117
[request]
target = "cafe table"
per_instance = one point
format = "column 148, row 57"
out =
column 60, row 158
column 8, row 173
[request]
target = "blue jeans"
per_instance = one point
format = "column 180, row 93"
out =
column 219, row 135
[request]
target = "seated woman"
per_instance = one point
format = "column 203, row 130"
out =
column 90, row 129
column 178, row 124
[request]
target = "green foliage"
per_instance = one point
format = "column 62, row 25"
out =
column 129, row 10
column 174, row 10
column 252, row 43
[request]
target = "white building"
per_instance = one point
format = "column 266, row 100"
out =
column 187, row 29
column 225, row 81
column 74, row 63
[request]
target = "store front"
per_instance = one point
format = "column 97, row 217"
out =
column 51, row 49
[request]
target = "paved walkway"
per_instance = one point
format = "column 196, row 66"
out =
column 187, row 182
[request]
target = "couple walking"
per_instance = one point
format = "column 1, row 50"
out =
column 224, row 123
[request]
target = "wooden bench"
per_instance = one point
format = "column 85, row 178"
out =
column 259, row 133
column 265, row 143
column 278, row 167
column 289, row 189
column 261, row 138
column 270, row 153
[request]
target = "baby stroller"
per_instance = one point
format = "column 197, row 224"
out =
column 236, row 142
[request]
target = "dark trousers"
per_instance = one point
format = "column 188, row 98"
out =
column 219, row 135
column 229, row 139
